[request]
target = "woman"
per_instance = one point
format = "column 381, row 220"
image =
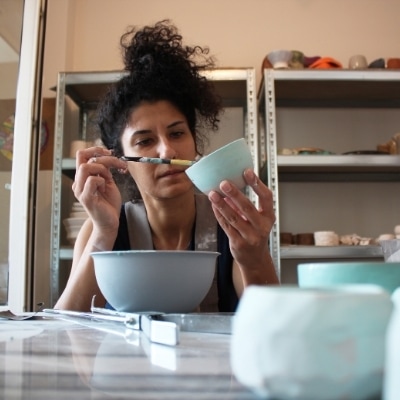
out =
column 163, row 108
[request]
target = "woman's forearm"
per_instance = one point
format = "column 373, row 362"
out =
column 82, row 284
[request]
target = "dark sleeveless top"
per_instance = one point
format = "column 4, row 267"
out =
column 135, row 213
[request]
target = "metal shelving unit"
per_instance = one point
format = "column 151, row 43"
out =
column 323, row 89
column 78, row 94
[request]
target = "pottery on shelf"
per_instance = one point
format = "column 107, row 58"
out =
column 280, row 58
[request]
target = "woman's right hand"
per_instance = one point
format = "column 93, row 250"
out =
column 95, row 188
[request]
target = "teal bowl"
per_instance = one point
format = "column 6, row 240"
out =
column 386, row 275
column 227, row 162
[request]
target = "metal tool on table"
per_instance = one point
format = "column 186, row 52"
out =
column 158, row 327
column 9, row 315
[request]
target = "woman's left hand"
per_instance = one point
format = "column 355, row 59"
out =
column 247, row 227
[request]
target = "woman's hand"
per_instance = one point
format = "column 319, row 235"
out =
column 247, row 227
column 95, row 188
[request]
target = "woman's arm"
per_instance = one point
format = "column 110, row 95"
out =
column 96, row 190
column 248, row 230
column 82, row 283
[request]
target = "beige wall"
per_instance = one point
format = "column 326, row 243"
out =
column 83, row 35
column 8, row 85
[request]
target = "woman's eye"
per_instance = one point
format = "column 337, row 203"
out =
column 177, row 134
column 143, row 142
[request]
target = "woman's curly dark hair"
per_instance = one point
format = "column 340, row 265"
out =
column 159, row 67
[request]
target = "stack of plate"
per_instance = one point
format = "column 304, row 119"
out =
column 75, row 221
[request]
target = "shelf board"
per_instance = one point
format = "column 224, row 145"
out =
column 68, row 163
column 66, row 253
column 302, row 252
column 336, row 168
column 373, row 88
column 340, row 162
column 86, row 89
column 68, row 166
column 331, row 252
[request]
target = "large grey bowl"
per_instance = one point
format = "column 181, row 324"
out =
column 151, row 280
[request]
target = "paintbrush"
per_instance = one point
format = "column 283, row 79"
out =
column 158, row 160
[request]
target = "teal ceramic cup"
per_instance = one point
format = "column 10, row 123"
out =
column 226, row 163
column 386, row 275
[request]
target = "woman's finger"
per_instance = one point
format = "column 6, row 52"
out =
column 99, row 155
column 84, row 155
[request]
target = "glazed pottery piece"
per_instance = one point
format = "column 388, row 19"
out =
column 297, row 60
column 391, row 387
column 310, row 60
column 280, row 58
column 325, row 63
column 318, row 344
column 328, row 274
column 227, row 162
column 358, row 61
column 393, row 63
column 266, row 64
column 378, row 63
column 391, row 250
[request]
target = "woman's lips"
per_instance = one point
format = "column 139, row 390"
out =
column 170, row 172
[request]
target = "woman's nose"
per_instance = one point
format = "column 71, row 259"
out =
column 166, row 150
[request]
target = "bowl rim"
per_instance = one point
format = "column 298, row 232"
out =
column 141, row 251
column 347, row 264
column 216, row 152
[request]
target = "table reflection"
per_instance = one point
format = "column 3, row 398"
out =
column 57, row 358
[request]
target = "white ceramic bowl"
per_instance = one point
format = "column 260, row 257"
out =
column 74, row 222
column 72, row 239
column 78, row 214
column 227, row 162
column 151, row 280
column 77, row 206
column 72, row 231
column 280, row 58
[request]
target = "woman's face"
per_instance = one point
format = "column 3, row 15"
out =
column 158, row 129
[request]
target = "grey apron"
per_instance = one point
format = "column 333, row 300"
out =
column 205, row 238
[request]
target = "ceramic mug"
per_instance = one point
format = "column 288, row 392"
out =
column 358, row 61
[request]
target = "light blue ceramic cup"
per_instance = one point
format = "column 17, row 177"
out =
column 227, row 162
